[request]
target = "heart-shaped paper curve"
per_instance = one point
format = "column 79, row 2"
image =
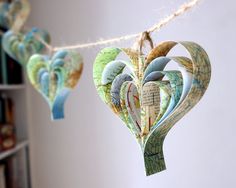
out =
column 54, row 77
column 148, row 98
column 21, row 46
column 14, row 14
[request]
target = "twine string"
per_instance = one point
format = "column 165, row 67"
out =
column 97, row 43
column 143, row 35
column 181, row 10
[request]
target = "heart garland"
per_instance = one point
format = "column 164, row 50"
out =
column 149, row 98
column 14, row 14
column 21, row 46
column 54, row 77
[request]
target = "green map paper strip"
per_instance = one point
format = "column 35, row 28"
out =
column 149, row 98
column 54, row 77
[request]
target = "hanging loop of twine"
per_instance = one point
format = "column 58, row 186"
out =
column 145, row 36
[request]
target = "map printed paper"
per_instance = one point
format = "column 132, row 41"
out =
column 147, row 96
column 54, row 77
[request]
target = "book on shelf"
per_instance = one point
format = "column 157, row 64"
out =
column 2, row 176
column 10, row 70
column 10, row 172
column 7, row 128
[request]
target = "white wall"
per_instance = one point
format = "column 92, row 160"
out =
column 91, row 147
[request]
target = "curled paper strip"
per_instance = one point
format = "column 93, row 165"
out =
column 21, row 46
column 54, row 77
column 13, row 15
column 149, row 98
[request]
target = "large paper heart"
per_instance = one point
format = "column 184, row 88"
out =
column 147, row 96
column 54, row 77
column 21, row 46
column 14, row 14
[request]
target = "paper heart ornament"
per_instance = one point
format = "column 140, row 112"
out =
column 54, row 77
column 14, row 14
column 21, row 46
column 147, row 96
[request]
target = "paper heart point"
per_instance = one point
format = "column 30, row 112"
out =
column 54, row 77
column 14, row 14
column 21, row 46
column 147, row 96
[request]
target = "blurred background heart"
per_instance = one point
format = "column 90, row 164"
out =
column 54, row 77
column 10, row 13
column 22, row 45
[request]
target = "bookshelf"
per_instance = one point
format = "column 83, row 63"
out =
column 20, row 153
column 14, row 160
column 14, row 142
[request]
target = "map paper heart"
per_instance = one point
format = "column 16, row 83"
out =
column 21, row 46
column 14, row 14
column 54, row 77
column 147, row 96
